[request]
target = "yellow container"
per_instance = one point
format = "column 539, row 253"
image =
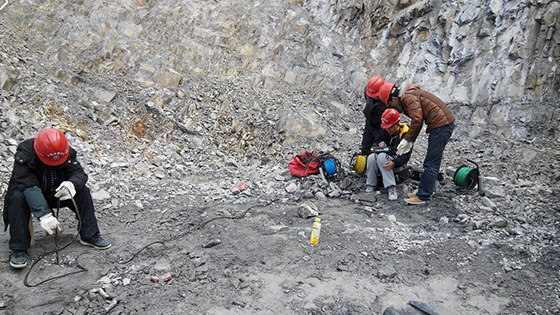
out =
column 315, row 232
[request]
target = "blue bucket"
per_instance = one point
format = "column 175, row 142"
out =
column 330, row 167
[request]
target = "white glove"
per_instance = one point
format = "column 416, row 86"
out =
column 49, row 223
column 65, row 191
column 404, row 147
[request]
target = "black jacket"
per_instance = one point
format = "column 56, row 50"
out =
column 373, row 111
column 29, row 172
column 393, row 143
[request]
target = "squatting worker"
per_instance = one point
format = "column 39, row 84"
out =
column 373, row 111
column 390, row 136
column 46, row 169
column 422, row 106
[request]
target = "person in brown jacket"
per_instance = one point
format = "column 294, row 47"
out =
column 421, row 107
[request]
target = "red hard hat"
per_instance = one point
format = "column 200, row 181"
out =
column 51, row 146
column 385, row 91
column 373, row 86
column 390, row 117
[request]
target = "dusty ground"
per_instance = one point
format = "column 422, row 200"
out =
column 364, row 263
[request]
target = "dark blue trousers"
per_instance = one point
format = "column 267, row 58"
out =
column 437, row 141
column 19, row 214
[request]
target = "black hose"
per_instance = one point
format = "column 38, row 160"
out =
column 82, row 269
column 174, row 238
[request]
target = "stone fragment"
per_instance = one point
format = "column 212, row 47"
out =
column 196, row 254
column 302, row 123
column 392, row 218
column 489, row 203
column 490, row 180
column 498, row 224
column 515, row 231
column 391, row 311
column 239, row 303
column 104, row 280
column 101, row 195
column 494, row 192
column 169, row 78
column 320, row 196
column 112, row 304
column 308, row 210
column 386, row 271
column 443, row 220
column 291, row 188
column 105, row 95
column 8, row 77
column 212, row 243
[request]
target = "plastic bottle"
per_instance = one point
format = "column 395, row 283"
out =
column 315, row 232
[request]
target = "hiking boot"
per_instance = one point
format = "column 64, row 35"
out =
column 370, row 189
column 18, row 259
column 96, row 242
column 415, row 201
column 392, row 192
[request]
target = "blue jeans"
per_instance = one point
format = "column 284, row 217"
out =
column 437, row 141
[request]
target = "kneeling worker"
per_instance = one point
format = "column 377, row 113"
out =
column 390, row 136
column 46, row 169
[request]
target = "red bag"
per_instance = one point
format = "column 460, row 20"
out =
column 304, row 164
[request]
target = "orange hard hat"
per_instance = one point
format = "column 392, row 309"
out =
column 385, row 91
column 51, row 146
column 373, row 86
column 390, row 117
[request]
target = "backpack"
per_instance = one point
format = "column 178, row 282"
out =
column 329, row 164
column 304, row 164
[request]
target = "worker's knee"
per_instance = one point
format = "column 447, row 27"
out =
column 17, row 198
column 371, row 159
column 382, row 159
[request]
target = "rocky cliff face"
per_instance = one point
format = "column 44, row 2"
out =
column 467, row 52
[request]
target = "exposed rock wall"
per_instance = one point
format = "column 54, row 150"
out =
column 469, row 52
column 492, row 60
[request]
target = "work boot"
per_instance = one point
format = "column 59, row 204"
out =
column 96, row 242
column 411, row 195
column 392, row 192
column 18, row 259
column 415, row 201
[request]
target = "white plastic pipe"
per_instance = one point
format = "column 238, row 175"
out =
column 5, row 4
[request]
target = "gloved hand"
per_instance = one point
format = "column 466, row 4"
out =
column 404, row 147
column 65, row 191
column 49, row 223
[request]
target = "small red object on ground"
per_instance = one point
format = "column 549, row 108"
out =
column 165, row 277
column 242, row 186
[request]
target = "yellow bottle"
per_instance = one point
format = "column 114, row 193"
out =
column 315, row 232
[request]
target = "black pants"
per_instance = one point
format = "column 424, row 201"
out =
column 368, row 137
column 19, row 214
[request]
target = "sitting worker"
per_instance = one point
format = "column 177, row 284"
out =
column 45, row 170
column 373, row 111
column 390, row 136
column 422, row 106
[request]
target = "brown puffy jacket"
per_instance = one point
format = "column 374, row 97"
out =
column 422, row 106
